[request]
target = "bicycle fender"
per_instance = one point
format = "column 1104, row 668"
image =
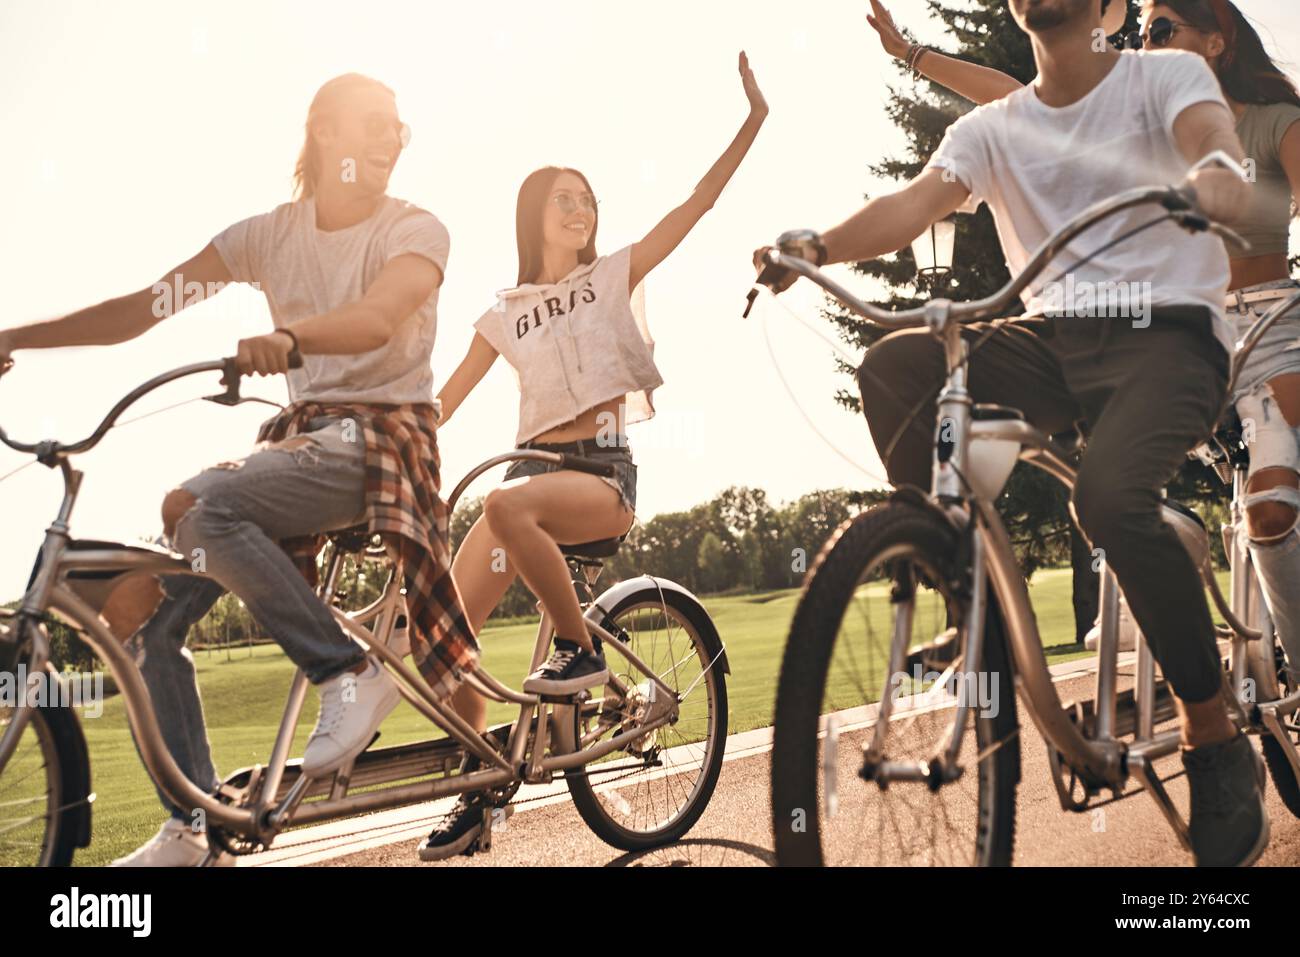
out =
column 611, row 597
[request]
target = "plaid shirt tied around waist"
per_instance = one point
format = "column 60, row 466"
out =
column 404, row 507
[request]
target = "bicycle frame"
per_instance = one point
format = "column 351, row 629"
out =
column 1089, row 745
column 264, row 807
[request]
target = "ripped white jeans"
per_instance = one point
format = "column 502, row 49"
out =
column 1274, row 443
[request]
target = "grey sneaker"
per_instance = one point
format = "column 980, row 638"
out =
column 1229, row 825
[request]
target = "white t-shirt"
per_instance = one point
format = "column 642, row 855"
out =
column 576, row 344
column 1037, row 167
column 304, row 271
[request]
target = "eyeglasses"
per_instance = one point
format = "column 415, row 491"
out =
column 1160, row 32
column 377, row 124
column 568, row 204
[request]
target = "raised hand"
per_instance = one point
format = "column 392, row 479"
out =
column 891, row 38
column 757, row 104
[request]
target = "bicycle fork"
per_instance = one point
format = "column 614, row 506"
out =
column 942, row 767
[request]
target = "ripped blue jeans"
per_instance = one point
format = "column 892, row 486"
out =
column 311, row 483
column 1274, row 443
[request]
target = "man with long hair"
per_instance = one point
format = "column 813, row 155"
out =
column 351, row 276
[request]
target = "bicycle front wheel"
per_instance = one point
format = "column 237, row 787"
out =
column 881, row 622
column 654, row 789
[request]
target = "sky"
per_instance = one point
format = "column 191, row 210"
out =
column 136, row 131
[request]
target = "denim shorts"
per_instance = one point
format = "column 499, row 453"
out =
column 1278, row 352
column 618, row 455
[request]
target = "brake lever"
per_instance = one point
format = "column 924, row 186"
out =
column 231, row 378
column 1182, row 206
column 773, row 277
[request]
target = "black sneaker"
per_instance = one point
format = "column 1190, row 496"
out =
column 1229, row 823
column 459, row 828
column 569, row 669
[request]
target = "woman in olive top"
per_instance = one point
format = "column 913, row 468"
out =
column 1267, row 107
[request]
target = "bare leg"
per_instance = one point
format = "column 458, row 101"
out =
column 483, row 572
column 530, row 515
column 1205, row 722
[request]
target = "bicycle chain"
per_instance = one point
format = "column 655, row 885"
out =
column 543, row 797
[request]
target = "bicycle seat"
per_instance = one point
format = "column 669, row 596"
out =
column 353, row 539
column 605, row 548
column 1074, row 441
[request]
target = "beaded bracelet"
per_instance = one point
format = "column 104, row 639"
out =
column 914, row 54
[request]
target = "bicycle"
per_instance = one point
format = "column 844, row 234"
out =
column 640, row 760
column 917, row 613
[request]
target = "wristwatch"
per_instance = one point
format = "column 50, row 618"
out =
column 805, row 243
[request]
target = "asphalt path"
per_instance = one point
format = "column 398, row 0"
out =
column 736, row 828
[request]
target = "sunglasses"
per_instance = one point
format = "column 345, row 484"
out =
column 1159, row 34
column 568, row 204
column 377, row 124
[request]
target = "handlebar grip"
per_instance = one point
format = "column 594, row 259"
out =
column 773, row 276
column 230, row 371
column 579, row 464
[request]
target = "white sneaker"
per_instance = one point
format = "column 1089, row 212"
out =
column 352, row 707
column 1128, row 630
column 175, row 845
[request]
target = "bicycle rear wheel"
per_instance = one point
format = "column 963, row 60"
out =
column 831, row 800
column 654, row 789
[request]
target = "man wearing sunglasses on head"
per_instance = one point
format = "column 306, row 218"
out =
column 351, row 276
column 1094, row 123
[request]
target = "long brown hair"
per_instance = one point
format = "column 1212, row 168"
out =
column 1245, row 70
column 534, row 194
column 307, row 171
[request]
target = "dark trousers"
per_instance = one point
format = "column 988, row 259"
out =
column 1148, row 395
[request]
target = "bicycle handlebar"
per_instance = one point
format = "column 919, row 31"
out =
column 48, row 450
column 1179, row 201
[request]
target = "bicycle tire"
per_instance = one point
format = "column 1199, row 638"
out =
column 66, row 767
column 584, row 792
column 830, row 586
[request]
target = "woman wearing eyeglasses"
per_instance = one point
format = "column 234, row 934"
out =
column 574, row 331
column 1267, row 107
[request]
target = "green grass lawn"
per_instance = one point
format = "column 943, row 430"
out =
column 244, row 694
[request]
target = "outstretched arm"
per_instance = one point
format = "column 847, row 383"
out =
column 888, row 223
column 885, row 225
column 674, row 227
column 471, row 370
column 980, row 84
column 123, row 318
